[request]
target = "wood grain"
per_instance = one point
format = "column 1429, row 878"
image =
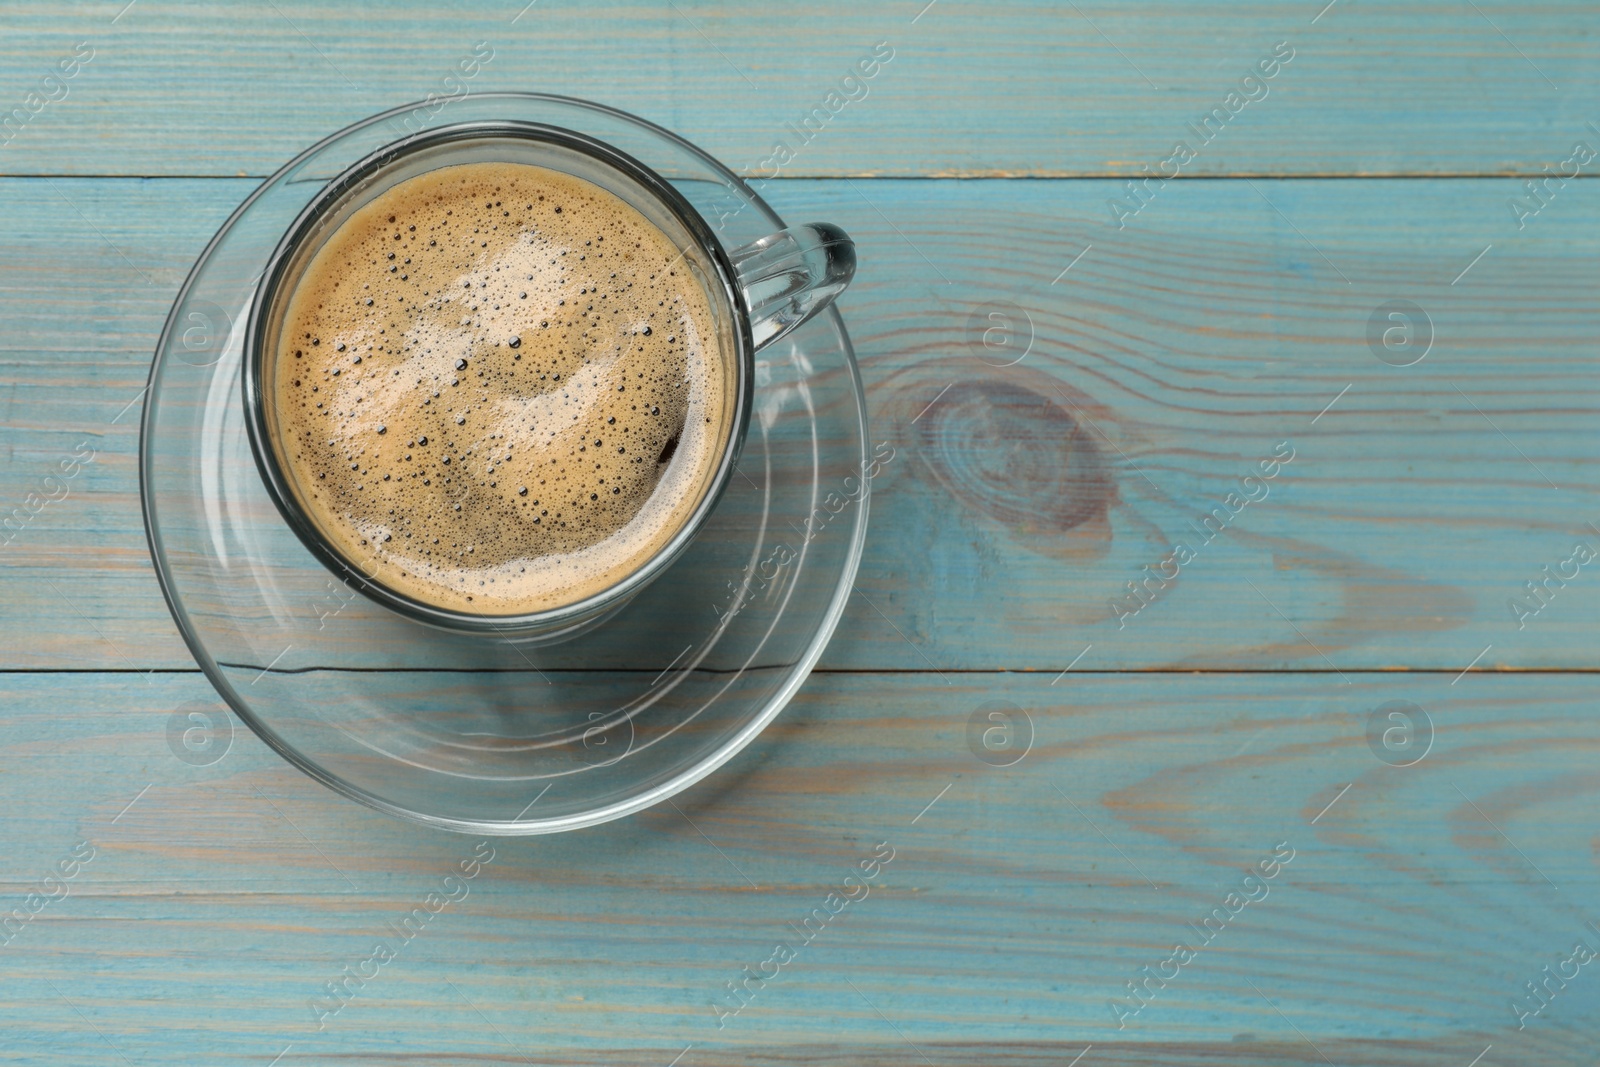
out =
column 1019, row 900
column 1171, row 336
column 1014, row 89
column 1165, row 365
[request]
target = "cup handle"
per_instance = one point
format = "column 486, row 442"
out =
column 791, row 275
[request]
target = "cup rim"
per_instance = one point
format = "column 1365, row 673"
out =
column 554, row 622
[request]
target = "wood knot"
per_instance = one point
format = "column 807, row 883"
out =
column 1016, row 455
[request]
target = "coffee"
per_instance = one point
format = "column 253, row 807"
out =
column 499, row 389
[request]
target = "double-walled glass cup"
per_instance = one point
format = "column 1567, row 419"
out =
column 757, row 293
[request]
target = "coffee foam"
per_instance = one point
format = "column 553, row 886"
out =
column 499, row 389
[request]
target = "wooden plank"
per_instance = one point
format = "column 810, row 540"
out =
column 1020, row 899
column 990, row 89
column 1166, row 364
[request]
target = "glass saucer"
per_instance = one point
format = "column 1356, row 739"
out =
column 495, row 735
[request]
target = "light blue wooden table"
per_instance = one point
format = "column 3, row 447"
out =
column 1336, row 686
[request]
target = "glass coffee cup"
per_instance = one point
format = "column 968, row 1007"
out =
column 757, row 293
